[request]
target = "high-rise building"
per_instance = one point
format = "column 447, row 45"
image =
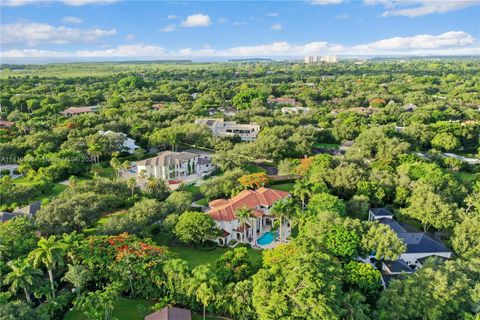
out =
column 315, row 59
column 329, row 59
column 311, row 59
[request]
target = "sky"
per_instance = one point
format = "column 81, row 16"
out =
column 75, row 30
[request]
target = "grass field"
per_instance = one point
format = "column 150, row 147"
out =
column 283, row 186
column 195, row 257
column 125, row 309
column 253, row 168
column 131, row 309
column 326, row 145
column 466, row 177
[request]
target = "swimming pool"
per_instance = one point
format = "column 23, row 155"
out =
column 266, row 238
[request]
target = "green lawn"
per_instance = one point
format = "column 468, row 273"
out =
column 202, row 202
column 283, row 186
column 50, row 193
column 326, row 145
column 253, row 168
column 196, row 257
column 466, row 177
column 193, row 189
column 125, row 309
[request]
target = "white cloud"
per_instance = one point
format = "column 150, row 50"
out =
column 325, row 2
column 173, row 17
column 272, row 14
column 448, row 43
column 424, row 41
column 73, row 20
column 32, row 34
column 130, row 37
column 169, row 28
column 222, row 20
column 123, row 51
column 196, row 20
column 276, row 26
column 417, row 8
column 75, row 3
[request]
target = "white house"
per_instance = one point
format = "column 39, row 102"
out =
column 128, row 143
column 223, row 212
column 287, row 110
column 221, row 128
column 169, row 165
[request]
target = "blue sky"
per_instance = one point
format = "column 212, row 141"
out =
column 120, row 29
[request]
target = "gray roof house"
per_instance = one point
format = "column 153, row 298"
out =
column 29, row 211
column 419, row 244
column 170, row 313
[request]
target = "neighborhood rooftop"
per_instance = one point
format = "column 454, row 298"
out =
column 224, row 210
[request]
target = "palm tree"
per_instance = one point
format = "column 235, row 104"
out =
column 203, row 285
column 49, row 253
column 243, row 214
column 95, row 151
column 132, row 183
column 302, row 190
column 21, row 277
column 69, row 242
column 77, row 275
column 116, row 164
column 284, row 208
column 354, row 307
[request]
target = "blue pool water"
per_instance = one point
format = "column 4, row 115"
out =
column 266, row 238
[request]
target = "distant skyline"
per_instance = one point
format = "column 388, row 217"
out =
column 75, row 30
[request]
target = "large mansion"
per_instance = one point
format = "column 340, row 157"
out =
column 169, row 165
column 223, row 211
column 221, row 128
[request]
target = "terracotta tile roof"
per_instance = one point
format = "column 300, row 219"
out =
column 170, row 313
column 78, row 110
column 4, row 123
column 243, row 228
column 224, row 210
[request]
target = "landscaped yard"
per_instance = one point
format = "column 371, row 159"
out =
column 125, row 309
column 130, row 309
column 326, row 145
column 288, row 186
column 251, row 168
column 465, row 177
column 196, row 257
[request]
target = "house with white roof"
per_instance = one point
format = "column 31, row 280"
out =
column 169, row 165
column 221, row 128
column 223, row 212
column 128, row 143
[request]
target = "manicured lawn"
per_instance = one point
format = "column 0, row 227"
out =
column 283, row 186
column 196, row 257
column 202, row 202
column 125, row 309
column 466, row 177
column 253, row 168
column 193, row 189
column 50, row 193
column 326, row 145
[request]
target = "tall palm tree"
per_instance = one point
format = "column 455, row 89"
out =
column 283, row 208
column 203, row 285
column 49, row 253
column 302, row 189
column 77, row 275
column 132, row 183
column 21, row 277
column 244, row 214
column 354, row 307
column 116, row 165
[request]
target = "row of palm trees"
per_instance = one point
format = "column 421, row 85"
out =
column 48, row 254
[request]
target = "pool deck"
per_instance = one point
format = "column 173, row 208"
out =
column 286, row 234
